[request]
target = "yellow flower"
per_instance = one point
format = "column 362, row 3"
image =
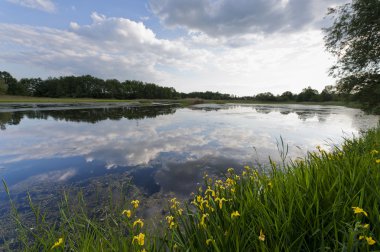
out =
column 218, row 182
column 170, row 220
column 143, row 250
column 358, row 210
column 208, row 241
column 230, row 182
column 244, row 173
column 209, row 190
column 135, row 203
column 138, row 222
column 127, row 213
column 210, row 208
column 377, row 161
column 174, row 202
column 262, row 235
column 366, row 226
column 270, row 185
column 140, row 238
column 374, row 152
column 199, row 199
column 57, row 243
column 202, row 223
column 247, row 168
column 202, row 203
column 230, row 170
column 235, row 214
column 370, row 241
column 220, row 202
column 209, row 180
column 172, row 225
column 179, row 211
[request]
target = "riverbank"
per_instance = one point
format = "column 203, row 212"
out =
column 181, row 102
column 325, row 201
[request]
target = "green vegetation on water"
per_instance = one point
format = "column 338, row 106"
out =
column 327, row 201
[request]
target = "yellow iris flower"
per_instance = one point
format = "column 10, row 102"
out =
column 127, row 213
column 374, row 152
column 203, row 218
column 220, row 202
column 358, row 210
column 135, row 203
column 138, row 222
column 235, row 214
column 262, row 235
column 57, row 243
column 370, row 241
column 140, row 239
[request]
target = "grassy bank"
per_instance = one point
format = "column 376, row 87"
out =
column 182, row 102
column 327, row 202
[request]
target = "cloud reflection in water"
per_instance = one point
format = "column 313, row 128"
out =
column 178, row 146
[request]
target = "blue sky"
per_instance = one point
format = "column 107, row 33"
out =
column 240, row 47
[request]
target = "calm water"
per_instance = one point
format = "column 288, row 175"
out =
column 163, row 149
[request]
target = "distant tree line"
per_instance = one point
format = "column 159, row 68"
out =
column 83, row 87
column 87, row 86
column 329, row 93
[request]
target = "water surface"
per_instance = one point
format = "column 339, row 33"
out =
column 161, row 150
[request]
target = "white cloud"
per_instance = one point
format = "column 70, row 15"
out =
column 112, row 47
column 238, row 17
column 108, row 48
column 44, row 5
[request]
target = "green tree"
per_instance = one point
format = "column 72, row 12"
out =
column 308, row 94
column 9, row 83
column 328, row 93
column 287, row 96
column 267, row 96
column 354, row 38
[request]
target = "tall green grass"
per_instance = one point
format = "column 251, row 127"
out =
column 305, row 205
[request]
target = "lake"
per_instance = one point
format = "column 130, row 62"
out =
column 161, row 150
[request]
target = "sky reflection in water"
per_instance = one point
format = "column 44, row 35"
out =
column 164, row 148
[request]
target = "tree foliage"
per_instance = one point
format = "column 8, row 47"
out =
column 354, row 38
column 7, row 82
column 308, row 94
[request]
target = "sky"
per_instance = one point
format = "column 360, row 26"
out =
column 239, row 47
